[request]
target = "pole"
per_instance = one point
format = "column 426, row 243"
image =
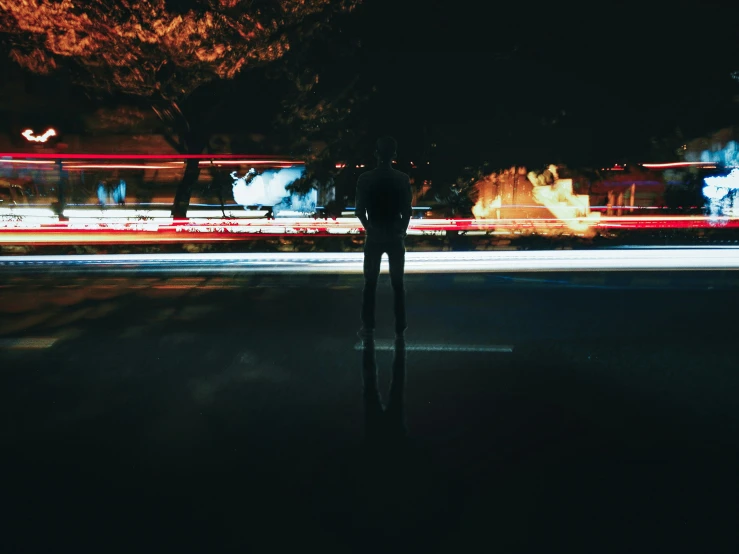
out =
column 61, row 190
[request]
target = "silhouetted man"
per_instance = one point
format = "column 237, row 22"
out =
column 384, row 208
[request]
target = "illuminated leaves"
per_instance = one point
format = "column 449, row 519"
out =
column 36, row 61
column 146, row 47
column 164, row 50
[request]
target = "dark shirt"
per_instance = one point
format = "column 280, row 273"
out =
column 384, row 203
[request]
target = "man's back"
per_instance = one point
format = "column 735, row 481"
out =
column 384, row 208
column 385, row 194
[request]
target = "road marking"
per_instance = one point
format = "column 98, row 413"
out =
column 389, row 345
column 28, row 343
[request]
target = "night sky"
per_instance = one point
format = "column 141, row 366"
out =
column 534, row 84
column 521, row 85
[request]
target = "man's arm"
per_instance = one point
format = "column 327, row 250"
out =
column 360, row 209
column 407, row 210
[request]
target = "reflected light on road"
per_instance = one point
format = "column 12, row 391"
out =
column 623, row 259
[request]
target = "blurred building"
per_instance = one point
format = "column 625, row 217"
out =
column 721, row 147
column 507, row 191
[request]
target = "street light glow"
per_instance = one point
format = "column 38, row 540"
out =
column 28, row 133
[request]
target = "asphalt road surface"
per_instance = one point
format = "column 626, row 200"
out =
column 233, row 411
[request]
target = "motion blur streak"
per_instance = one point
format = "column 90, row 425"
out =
column 388, row 345
column 671, row 165
column 37, row 162
column 119, row 166
column 38, row 226
column 7, row 157
column 626, row 259
column 30, row 343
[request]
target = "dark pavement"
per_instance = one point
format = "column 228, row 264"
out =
column 209, row 413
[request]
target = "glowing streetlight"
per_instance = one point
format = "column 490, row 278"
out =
column 28, row 133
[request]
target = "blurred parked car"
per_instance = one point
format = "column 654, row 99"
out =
column 11, row 195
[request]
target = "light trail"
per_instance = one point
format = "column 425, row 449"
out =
column 242, row 158
column 631, row 259
column 122, row 166
column 32, row 162
column 671, row 165
column 28, row 343
column 39, row 225
column 469, row 348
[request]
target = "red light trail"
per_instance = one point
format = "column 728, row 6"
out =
column 163, row 229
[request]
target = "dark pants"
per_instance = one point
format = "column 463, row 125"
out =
column 373, row 251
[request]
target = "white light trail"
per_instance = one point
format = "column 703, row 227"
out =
column 29, row 212
column 648, row 259
column 670, row 165
column 28, row 343
column 217, row 215
column 210, row 221
column 28, row 134
column 471, row 348
column 118, row 214
column 36, row 162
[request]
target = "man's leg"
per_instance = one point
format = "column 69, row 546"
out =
column 396, row 257
column 372, row 258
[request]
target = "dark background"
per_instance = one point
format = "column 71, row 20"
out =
column 529, row 84
column 583, row 84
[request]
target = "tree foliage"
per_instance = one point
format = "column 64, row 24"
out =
column 151, row 49
column 161, row 51
column 320, row 120
column 458, row 199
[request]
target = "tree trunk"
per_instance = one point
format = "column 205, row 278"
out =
column 61, row 192
column 189, row 142
column 184, row 189
column 193, row 144
column 220, row 198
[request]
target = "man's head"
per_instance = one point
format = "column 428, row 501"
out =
column 386, row 149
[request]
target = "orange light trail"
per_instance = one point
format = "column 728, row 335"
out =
column 2, row 161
